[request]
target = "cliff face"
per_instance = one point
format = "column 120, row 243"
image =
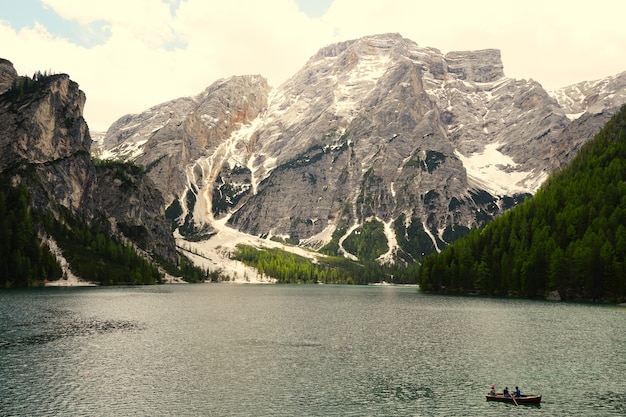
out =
column 589, row 105
column 172, row 139
column 45, row 145
column 44, row 133
column 7, row 74
column 379, row 128
column 135, row 209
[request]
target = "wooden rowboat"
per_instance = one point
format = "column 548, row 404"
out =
column 523, row 399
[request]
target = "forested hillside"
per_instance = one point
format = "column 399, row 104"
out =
column 570, row 237
column 23, row 260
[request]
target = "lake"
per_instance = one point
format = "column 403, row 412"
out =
column 302, row 350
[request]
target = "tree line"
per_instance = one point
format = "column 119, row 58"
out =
column 23, row 260
column 93, row 253
column 96, row 256
column 287, row 267
column 570, row 237
column 24, row 85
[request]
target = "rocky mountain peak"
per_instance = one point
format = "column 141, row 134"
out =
column 183, row 143
column 377, row 129
column 365, row 45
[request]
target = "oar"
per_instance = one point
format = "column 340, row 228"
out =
column 514, row 400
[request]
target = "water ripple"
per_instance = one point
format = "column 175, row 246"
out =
column 302, row 351
column 58, row 326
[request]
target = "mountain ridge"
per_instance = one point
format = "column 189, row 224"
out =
column 379, row 128
column 377, row 150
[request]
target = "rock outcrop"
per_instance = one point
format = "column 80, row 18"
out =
column 135, row 209
column 589, row 105
column 43, row 131
column 7, row 75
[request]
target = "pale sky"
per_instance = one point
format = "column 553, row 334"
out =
column 128, row 55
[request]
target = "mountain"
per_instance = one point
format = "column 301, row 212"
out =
column 568, row 241
column 589, row 105
column 45, row 158
column 376, row 132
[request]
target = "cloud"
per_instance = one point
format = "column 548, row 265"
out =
column 156, row 51
column 271, row 38
column 150, row 51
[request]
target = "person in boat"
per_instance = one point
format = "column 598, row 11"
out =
column 505, row 392
column 493, row 390
column 517, row 392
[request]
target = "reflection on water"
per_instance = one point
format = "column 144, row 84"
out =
column 302, row 350
column 55, row 325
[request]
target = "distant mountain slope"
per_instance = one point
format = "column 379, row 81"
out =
column 591, row 97
column 426, row 145
column 570, row 237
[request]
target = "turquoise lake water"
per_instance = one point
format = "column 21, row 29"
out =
column 309, row 350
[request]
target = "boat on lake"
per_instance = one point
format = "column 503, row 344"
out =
column 523, row 399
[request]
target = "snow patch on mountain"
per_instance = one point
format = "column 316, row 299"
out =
column 201, row 175
column 492, row 171
column 432, row 238
column 319, row 240
column 69, row 278
column 388, row 257
column 342, row 250
column 591, row 96
column 215, row 254
column 127, row 151
column 358, row 83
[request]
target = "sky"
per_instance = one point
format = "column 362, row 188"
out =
column 128, row 55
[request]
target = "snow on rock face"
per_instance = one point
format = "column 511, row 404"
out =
column 171, row 138
column 413, row 130
column 379, row 127
column 494, row 172
column 358, row 82
column 592, row 96
column 491, row 171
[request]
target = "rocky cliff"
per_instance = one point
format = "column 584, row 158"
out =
column 45, row 145
column 376, row 129
column 7, row 74
column 44, row 134
column 589, row 105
